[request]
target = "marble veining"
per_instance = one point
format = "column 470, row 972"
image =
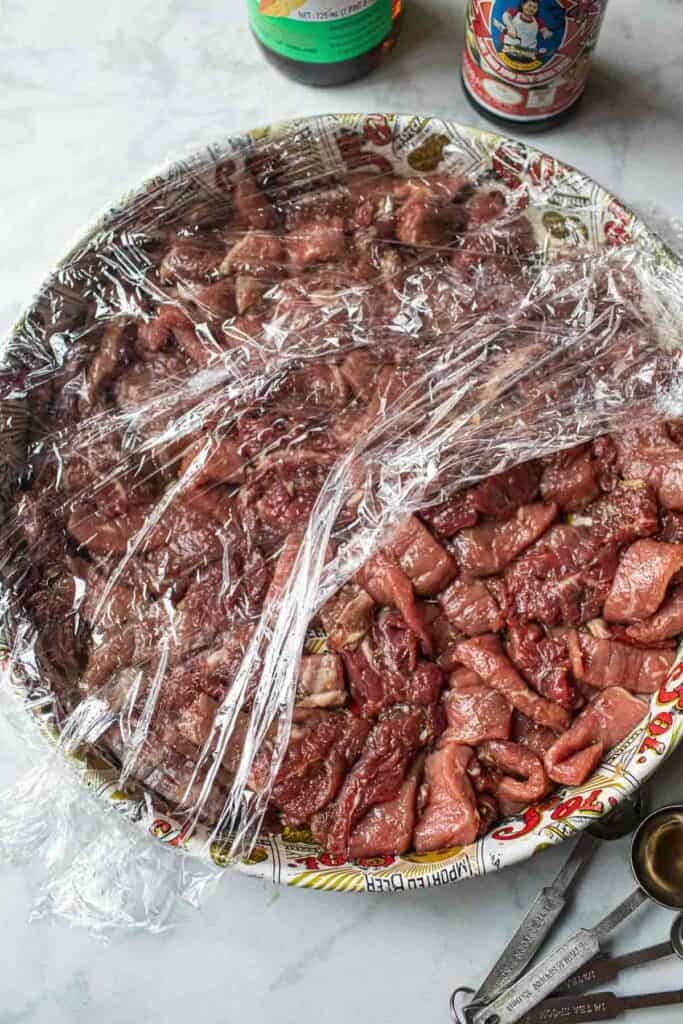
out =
column 92, row 96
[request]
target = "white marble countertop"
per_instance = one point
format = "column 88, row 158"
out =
column 93, row 96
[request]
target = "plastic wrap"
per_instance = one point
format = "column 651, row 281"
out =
column 219, row 411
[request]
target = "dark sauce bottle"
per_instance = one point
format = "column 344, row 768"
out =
column 325, row 42
column 525, row 63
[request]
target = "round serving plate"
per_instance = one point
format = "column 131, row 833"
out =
column 566, row 208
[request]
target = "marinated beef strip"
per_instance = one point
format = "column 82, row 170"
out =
column 569, row 479
column 387, row 828
column 643, row 575
column 474, row 711
column 471, row 607
column 449, row 815
column 652, row 455
column 543, row 660
column 667, row 621
column 523, row 779
column 599, row 727
column 484, row 655
column 564, row 578
column 487, row 549
column 494, row 644
column 603, row 662
column 320, row 754
column 376, row 777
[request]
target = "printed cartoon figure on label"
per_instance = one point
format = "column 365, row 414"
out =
column 527, row 60
column 521, row 28
column 528, row 33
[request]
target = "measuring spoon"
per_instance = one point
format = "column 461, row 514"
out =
column 607, row 968
column 549, row 904
column 660, row 878
column 597, row 1006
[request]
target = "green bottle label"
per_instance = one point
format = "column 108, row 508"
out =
column 320, row 31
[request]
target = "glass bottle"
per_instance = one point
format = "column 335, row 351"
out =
column 525, row 63
column 325, row 42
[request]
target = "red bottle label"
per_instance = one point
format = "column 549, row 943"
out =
column 529, row 60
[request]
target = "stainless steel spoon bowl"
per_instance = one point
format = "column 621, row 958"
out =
column 677, row 936
column 657, row 856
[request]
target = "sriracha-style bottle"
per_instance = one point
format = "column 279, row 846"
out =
column 525, row 62
column 325, row 42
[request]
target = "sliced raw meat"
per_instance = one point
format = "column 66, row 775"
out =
column 116, row 648
column 445, row 636
column 450, row 816
column 543, row 660
column 569, row 479
column 674, row 429
column 605, row 722
column 104, row 603
column 101, row 535
column 625, row 514
column 649, row 454
column 218, row 300
column 603, row 662
column 183, row 540
column 376, row 777
column 258, row 254
column 359, row 369
column 192, row 259
column 374, row 685
column 108, row 358
column 347, row 616
column 483, row 207
column 537, row 738
column 606, row 459
column 171, row 322
column 426, row 223
column 321, row 681
column 475, row 712
column 395, row 646
column 212, row 461
column 449, row 517
column 500, row 496
column 484, row 656
column 462, row 678
column 322, row 747
column 225, row 656
column 316, row 241
column 564, row 578
column 523, row 779
column 249, row 291
column 486, row 549
column 427, row 565
column 285, row 563
column 195, row 720
column 252, row 204
column 321, row 385
column 470, row 607
column 488, row 810
column 387, row 828
column 642, row 577
column 672, row 528
column 280, row 497
column 386, row 582
column 665, row 623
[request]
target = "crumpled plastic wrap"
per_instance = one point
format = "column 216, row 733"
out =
column 219, row 408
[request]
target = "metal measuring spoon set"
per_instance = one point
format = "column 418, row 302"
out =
column 553, row 989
